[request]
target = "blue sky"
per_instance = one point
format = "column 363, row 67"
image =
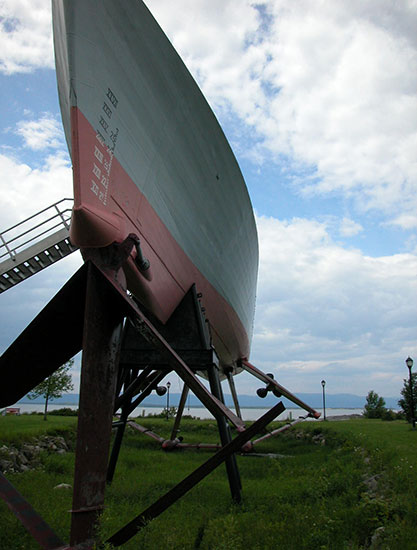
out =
column 319, row 104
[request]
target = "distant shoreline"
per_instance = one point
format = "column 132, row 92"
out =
column 156, row 406
column 314, row 400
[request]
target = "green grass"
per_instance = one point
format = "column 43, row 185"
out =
column 315, row 498
column 15, row 429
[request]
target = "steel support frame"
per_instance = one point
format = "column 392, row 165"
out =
column 99, row 303
column 215, row 387
column 101, row 338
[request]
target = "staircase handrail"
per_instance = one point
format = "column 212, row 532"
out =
column 64, row 215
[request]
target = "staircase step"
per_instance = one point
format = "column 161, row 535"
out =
column 34, row 259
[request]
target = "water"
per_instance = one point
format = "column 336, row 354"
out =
column 199, row 412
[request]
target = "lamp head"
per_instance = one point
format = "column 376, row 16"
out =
column 409, row 362
column 323, row 383
column 262, row 392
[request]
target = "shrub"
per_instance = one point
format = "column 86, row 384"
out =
column 388, row 414
column 65, row 411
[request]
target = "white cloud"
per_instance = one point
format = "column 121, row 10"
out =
column 323, row 311
column 405, row 220
column 349, row 228
column 25, row 35
column 25, row 190
column 330, row 85
column 44, row 133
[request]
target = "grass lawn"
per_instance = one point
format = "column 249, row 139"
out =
column 21, row 428
column 334, row 486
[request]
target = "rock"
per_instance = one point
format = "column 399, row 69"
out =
column 376, row 540
column 372, row 483
column 30, row 451
column 63, row 486
column 6, row 465
column 26, row 457
column 13, row 456
column 60, row 442
column 21, row 458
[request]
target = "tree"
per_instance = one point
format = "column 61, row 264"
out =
column 375, row 405
column 405, row 402
column 54, row 386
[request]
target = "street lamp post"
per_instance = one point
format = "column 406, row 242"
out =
column 323, row 383
column 409, row 362
column 168, row 386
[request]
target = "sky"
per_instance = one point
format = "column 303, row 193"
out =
column 318, row 101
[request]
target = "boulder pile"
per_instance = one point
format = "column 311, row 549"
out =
column 27, row 456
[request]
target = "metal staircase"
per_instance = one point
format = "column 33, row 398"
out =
column 35, row 243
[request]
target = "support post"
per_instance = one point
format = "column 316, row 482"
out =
column 183, row 400
column 225, row 436
column 232, row 386
column 101, row 340
column 116, row 445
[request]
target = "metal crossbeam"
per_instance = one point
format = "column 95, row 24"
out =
column 30, row 519
column 251, row 369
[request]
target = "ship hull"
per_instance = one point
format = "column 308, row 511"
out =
column 150, row 158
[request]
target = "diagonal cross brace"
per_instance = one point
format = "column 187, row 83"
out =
column 30, row 519
column 251, row 369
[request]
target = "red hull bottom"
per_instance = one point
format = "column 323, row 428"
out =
column 108, row 206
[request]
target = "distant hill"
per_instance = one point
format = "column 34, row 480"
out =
column 66, row 399
column 315, row 400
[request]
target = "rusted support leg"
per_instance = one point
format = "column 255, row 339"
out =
column 183, row 400
column 232, row 386
column 124, row 379
column 101, row 338
column 120, row 430
column 130, row 530
column 225, row 436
